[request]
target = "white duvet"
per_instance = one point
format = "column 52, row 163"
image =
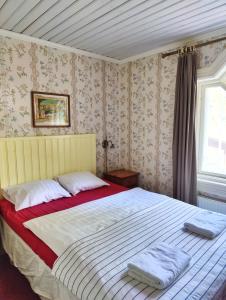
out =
column 96, row 241
column 58, row 230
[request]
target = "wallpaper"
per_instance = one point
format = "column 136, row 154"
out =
column 15, row 83
column 168, row 67
column 89, row 102
column 152, row 108
column 144, row 119
column 117, row 114
column 152, row 96
column 131, row 104
column 27, row 66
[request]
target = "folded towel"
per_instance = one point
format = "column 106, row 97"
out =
column 158, row 266
column 207, row 223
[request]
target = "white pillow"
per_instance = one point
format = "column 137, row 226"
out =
column 80, row 181
column 34, row 192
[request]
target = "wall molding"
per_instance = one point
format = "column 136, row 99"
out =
column 169, row 47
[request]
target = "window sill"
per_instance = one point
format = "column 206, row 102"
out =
column 212, row 187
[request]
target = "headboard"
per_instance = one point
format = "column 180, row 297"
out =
column 24, row 159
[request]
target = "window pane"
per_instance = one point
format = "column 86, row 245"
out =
column 214, row 133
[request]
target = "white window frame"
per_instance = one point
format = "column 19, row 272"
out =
column 215, row 176
column 209, row 184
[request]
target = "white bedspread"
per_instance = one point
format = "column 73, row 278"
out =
column 105, row 234
column 59, row 230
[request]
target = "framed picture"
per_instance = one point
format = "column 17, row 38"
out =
column 50, row 110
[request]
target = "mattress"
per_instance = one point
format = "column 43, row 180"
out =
column 15, row 219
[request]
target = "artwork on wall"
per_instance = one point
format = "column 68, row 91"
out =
column 50, row 110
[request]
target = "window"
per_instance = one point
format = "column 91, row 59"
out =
column 212, row 141
column 211, row 131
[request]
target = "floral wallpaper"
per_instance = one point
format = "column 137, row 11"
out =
column 89, row 101
column 117, row 114
column 52, row 73
column 209, row 53
column 144, row 89
column 152, row 111
column 15, row 83
column 27, row 66
column 131, row 104
column 167, row 79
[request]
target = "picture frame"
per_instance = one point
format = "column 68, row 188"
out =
column 50, row 109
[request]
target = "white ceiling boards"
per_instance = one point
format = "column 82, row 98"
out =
column 115, row 28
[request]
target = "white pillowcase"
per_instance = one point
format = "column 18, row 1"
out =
column 34, row 192
column 80, row 181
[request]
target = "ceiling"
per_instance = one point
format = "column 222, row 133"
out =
column 114, row 28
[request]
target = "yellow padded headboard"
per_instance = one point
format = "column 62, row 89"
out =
column 24, row 159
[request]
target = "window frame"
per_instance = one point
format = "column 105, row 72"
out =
column 208, row 185
column 201, row 120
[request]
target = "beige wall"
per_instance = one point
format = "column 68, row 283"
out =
column 132, row 103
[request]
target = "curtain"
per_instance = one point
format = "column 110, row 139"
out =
column 184, row 144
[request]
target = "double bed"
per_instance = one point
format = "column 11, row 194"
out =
column 112, row 225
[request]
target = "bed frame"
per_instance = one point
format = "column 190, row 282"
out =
column 23, row 159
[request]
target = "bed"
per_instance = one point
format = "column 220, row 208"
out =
column 25, row 159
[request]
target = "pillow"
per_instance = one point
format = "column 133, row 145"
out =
column 80, row 181
column 34, row 192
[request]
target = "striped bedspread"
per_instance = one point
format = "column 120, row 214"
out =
column 95, row 267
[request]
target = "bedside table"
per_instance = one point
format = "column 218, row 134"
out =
column 125, row 178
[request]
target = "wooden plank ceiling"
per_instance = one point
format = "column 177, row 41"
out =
column 114, row 28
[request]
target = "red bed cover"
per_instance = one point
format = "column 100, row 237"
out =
column 15, row 219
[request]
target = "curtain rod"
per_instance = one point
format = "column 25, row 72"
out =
column 196, row 46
